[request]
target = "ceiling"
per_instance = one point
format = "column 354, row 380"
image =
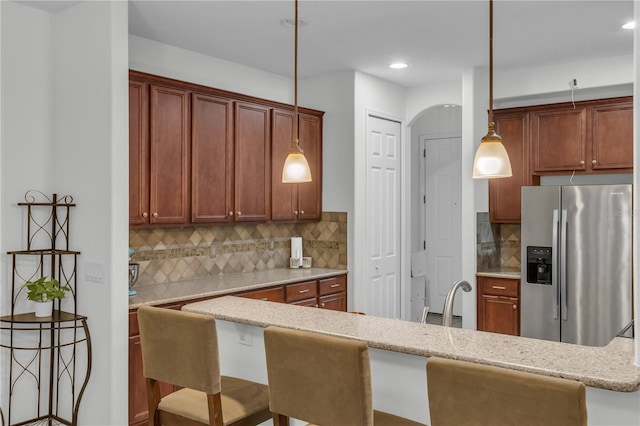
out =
column 439, row 39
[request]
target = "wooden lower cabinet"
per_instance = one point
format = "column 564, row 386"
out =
column 327, row 293
column 498, row 305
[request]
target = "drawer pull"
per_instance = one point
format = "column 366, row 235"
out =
column 499, row 287
column 265, row 298
column 303, row 291
column 335, row 285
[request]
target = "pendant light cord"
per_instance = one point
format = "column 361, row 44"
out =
column 295, row 79
column 490, row 61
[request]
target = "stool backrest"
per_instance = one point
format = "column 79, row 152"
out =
column 317, row 378
column 180, row 348
column 464, row 393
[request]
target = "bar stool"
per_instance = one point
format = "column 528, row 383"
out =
column 464, row 393
column 323, row 380
column 181, row 348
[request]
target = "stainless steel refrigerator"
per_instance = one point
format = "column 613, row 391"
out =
column 576, row 262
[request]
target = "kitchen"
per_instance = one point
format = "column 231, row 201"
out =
column 77, row 149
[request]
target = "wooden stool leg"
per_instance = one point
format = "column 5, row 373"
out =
column 280, row 420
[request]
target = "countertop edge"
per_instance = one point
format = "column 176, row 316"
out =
column 294, row 275
column 589, row 379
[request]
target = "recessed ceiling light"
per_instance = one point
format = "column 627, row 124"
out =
column 629, row 25
column 398, row 65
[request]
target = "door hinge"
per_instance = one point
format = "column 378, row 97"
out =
column 424, row 152
column 424, row 245
column 424, row 199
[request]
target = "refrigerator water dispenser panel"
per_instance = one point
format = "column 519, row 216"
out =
column 539, row 265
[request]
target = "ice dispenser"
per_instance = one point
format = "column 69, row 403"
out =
column 538, row 265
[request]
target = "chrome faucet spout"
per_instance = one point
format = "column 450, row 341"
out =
column 447, row 313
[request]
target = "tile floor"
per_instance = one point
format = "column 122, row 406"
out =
column 433, row 318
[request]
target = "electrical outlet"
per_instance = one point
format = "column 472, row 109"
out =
column 94, row 272
column 573, row 83
column 213, row 252
column 246, row 339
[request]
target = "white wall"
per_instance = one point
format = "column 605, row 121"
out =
column 636, row 177
column 168, row 61
column 65, row 78
column 25, row 142
column 334, row 94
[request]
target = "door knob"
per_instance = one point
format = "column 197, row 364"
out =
column 155, row 214
column 145, row 214
column 594, row 162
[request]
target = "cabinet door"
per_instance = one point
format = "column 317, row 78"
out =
column 271, row 294
column 310, row 193
column 252, row 163
column 211, row 159
column 559, row 139
column 138, row 153
column 335, row 302
column 505, row 193
column 612, row 136
column 169, row 145
column 284, row 196
column 501, row 315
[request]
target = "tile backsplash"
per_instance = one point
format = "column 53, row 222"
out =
column 176, row 254
column 497, row 244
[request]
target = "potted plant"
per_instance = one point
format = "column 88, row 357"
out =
column 44, row 291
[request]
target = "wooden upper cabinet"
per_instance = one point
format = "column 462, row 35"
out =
column 169, row 143
column 505, row 193
column 612, row 136
column 302, row 201
column 559, row 138
column 310, row 193
column 284, row 196
column 212, row 167
column 138, row 153
column 252, row 163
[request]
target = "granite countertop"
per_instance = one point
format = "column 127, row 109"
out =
column 609, row 367
column 179, row 291
column 500, row 272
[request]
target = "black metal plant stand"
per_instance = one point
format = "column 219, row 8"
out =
column 45, row 382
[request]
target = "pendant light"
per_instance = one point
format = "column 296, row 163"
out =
column 296, row 168
column 492, row 160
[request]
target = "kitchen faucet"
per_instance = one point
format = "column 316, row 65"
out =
column 447, row 313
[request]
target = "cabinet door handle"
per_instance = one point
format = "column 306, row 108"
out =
column 239, row 213
column 301, row 211
column 303, row 291
column 230, row 213
column 145, row 214
column 515, row 307
column 265, row 298
column 335, row 285
column 499, row 287
column 582, row 162
column 322, row 304
column 295, row 212
column 594, row 162
column 155, row 214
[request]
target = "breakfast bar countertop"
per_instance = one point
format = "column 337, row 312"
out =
column 219, row 285
column 609, row 367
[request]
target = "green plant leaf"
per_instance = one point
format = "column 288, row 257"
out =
column 44, row 289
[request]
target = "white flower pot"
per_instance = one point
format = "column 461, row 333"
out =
column 44, row 309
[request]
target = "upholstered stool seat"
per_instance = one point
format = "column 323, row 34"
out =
column 320, row 379
column 464, row 393
column 181, row 348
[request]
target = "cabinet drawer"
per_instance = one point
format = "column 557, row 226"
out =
column 300, row 291
column 275, row 294
column 333, row 285
column 500, row 287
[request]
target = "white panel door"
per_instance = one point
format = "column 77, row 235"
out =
column 383, row 218
column 443, row 220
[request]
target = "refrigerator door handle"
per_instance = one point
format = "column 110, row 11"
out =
column 563, row 265
column 554, row 267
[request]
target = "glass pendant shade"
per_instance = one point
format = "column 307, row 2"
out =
column 492, row 160
column 296, row 168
